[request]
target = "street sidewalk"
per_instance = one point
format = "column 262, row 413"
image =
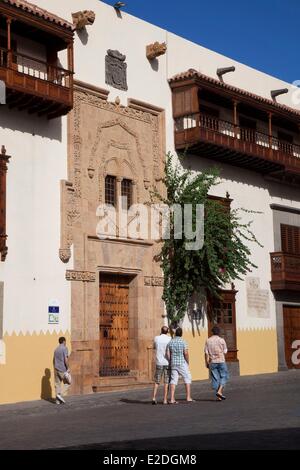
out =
column 200, row 387
column 260, row 412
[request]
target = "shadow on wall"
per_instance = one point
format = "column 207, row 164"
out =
column 83, row 36
column 244, row 176
column 46, row 387
column 21, row 121
column 154, row 65
column 197, row 311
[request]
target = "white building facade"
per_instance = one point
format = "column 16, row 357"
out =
column 104, row 131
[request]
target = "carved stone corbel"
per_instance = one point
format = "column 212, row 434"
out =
column 3, row 170
column 155, row 50
column 84, row 18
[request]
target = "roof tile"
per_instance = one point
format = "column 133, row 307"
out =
column 37, row 11
column 192, row 73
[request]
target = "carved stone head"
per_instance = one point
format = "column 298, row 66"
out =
column 155, row 50
column 84, row 18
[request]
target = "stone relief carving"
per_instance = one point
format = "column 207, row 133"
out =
column 65, row 254
column 83, row 276
column 151, row 281
column 116, row 70
column 118, row 145
column 4, row 159
column 84, row 184
column 155, row 50
column 84, row 18
column 69, row 213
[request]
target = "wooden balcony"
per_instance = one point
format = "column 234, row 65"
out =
column 285, row 270
column 36, row 86
column 222, row 140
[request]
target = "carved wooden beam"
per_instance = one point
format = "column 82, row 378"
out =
column 155, row 50
column 3, row 170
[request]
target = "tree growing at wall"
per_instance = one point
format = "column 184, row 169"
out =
column 225, row 254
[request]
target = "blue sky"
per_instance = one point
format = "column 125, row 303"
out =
column 263, row 34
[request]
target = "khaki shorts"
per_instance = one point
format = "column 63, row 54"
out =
column 162, row 372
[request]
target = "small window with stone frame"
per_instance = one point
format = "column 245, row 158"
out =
column 111, row 190
column 126, row 192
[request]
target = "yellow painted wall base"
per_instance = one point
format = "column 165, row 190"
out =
column 257, row 351
column 28, row 372
column 196, row 343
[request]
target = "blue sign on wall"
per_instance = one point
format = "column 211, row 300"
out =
column 53, row 314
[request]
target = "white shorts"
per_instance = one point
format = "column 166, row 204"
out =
column 184, row 371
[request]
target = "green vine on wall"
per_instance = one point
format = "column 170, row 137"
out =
column 225, row 255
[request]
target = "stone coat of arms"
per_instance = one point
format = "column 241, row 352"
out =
column 116, row 70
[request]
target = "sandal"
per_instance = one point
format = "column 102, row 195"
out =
column 219, row 395
column 173, row 402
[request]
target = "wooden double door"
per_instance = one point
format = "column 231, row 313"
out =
column 114, row 324
column 291, row 322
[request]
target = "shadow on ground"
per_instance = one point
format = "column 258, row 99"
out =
column 248, row 440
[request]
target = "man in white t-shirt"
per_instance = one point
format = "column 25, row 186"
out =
column 162, row 370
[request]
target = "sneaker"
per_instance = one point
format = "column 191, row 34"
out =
column 57, row 402
column 154, row 402
column 60, row 398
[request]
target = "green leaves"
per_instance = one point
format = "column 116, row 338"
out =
column 225, row 255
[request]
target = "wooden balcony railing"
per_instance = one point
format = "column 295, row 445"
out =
column 34, row 67
column 285, row 269
column 36, row 85
column 192, row 129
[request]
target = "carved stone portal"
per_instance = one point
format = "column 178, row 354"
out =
column 155, row 50
column 116, row 70
column 126, row 142
column 81, row 19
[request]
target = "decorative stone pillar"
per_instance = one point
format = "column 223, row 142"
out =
column 3, row 170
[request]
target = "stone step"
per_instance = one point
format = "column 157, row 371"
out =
column 108, row 384
column 115, row 380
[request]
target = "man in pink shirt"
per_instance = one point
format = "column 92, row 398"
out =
column 215, row 350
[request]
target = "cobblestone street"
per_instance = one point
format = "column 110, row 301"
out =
column 261, row 412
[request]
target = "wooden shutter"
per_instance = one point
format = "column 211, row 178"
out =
column 224, row 202
column 290, row 239
column 185, row 101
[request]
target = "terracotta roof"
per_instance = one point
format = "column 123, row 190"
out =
column 40, row 12
column 191, row 73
